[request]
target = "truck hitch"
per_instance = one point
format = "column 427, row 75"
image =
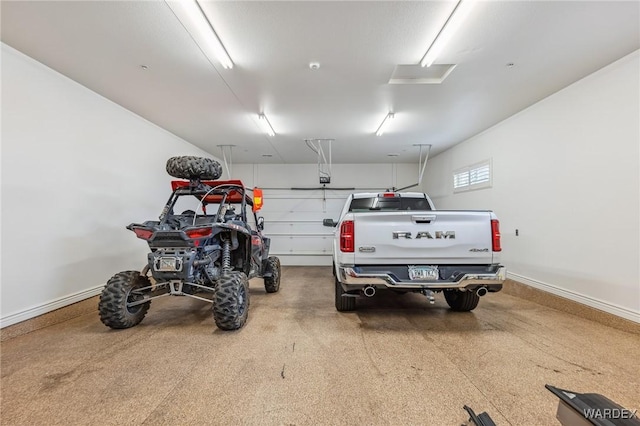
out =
column 431, row 296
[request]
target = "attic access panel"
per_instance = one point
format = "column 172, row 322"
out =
column 416, row 74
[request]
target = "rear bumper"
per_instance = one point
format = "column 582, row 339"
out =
column 356, row 277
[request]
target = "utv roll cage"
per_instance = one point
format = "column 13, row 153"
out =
column 222, row 192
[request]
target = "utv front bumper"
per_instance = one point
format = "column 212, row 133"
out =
column 451, row 277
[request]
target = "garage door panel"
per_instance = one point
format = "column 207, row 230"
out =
column 315, row 227
column 301, row 244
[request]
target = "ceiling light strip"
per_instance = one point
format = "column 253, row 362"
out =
column 384, row 124
column 266, row 125
column 195, row 21
column 452, row 24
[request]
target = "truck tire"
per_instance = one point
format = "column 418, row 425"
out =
column 231, row 301
column 461, row 301
column 116, row 294
column 189, row 167
column 272, row 283
column 344, row 304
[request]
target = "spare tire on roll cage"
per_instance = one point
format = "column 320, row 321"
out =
column 190, row 167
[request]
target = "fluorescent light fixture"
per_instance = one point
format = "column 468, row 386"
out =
column 384, row 124
column 194, row 20
column 266, row 126
column 454, row 21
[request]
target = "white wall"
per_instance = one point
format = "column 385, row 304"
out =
column 293, row 218
column 566, row 175
column 76, row 169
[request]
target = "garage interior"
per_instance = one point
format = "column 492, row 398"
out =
column 544, row 97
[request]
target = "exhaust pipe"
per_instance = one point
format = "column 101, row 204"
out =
column 481, row 291
column 369, row 291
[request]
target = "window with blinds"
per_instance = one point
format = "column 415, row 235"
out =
column 472, row 177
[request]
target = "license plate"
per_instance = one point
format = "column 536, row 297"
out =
column 423, row 272
column 169, row 264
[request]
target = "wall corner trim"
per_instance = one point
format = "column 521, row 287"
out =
column 611, row 308
column 47, row 307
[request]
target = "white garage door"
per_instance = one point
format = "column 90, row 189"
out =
column 293, row 221
column 293, row 217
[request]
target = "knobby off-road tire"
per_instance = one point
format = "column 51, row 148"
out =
column 231, row 301
column 461, row 301
column 115, row 296
column 272, row 283
column 189, row 167
column 343, row 304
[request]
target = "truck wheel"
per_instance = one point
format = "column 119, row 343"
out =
column 461, row 301
column 272, row 283
column 344, row 304
column 189, row 167
column 117, row 293
column 231, row 301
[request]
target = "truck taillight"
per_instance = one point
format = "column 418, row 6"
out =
column 198, row 232
column 495, row 235
column 347, row 236
column 143, row 234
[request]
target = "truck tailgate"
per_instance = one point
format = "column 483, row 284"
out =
column 423, row 238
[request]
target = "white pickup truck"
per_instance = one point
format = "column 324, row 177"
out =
column 400, row 242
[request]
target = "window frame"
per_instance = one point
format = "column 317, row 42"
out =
column 468, row 185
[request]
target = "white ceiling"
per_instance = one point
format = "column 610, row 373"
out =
column 102, row 45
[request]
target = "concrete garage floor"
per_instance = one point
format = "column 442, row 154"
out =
column 397, row 360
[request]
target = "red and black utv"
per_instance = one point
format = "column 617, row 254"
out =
column 208, row 251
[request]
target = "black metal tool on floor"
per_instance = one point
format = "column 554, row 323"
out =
column 586, row 409
column 481, row 419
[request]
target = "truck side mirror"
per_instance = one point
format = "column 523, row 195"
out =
column 260, row 224
column 329, row 222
